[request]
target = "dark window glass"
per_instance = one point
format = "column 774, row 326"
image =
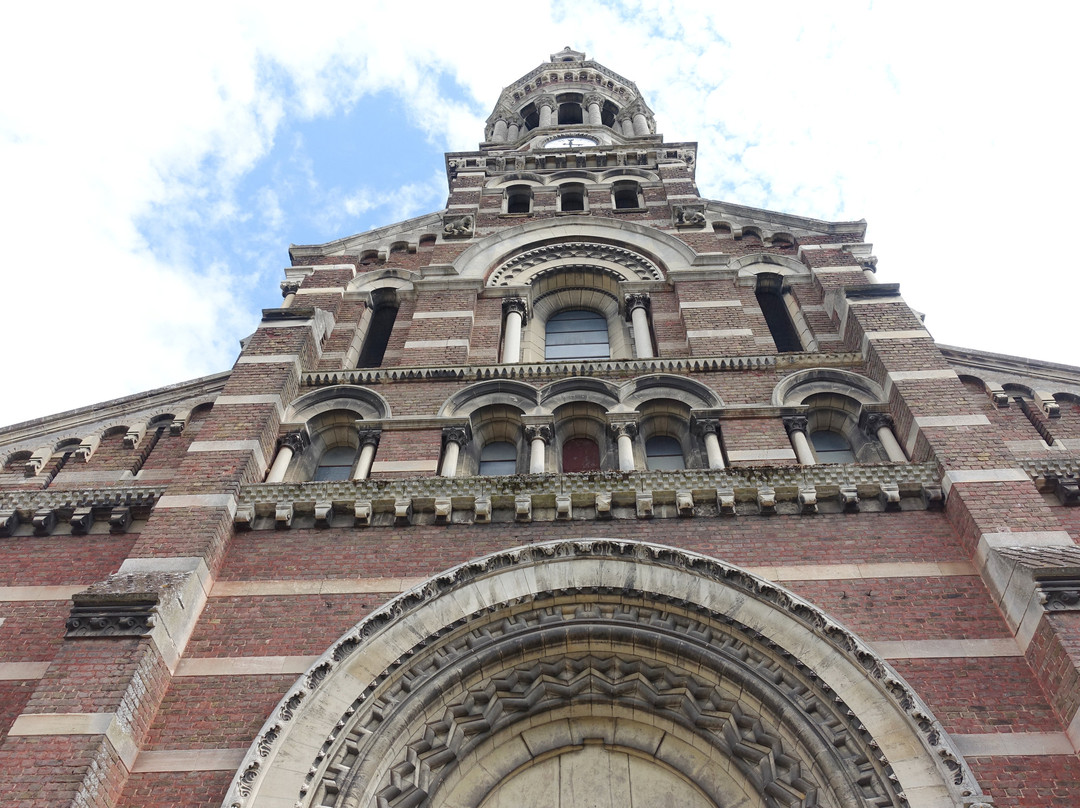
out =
column 778, row 320
column 336, row 464
column 498, row 458
column 569, row 113
column 664, row 453
column 518, row 200
column 576, row 334
column 831, row 447
column 626, row 196
column 580, row 454
column 378, row 336
column 572, row 200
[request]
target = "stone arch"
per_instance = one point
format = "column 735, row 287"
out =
column 799, row 386
column 579, row 388
column 662, row 249
column 666, row 385
column 364, row 402
column 397, row 279
column 483, row 394
column 739, row 684
column 529, row 265
column 749, row 265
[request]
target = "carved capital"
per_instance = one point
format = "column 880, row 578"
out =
column 542, row 431
column 461, row 435
column 297, row 440
column 796, row 423
column 594, row 98
column 638, row 300
column 705, row 426
column 620, row 428
column 368, row 437
column 546, row 100
column 289, row 288
column 518, row 304
column 871, row 422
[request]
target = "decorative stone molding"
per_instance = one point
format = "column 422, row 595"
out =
column 554, row 370
column 123, row 605
column 529, row 264
column 44, row 520
column 1060, row 594
column 82, row 519
column 444, row 510
column 324, row 513
column 766, row 501
column 481, row 654
column 871, row 422
column 523, row 508
column 119, row 520
column 403, row 511
column 735, row 491
column 644, row 505
column 620, row 428
column 458, row 227
column 564, row 508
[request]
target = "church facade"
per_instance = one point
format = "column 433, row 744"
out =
column 583, row 491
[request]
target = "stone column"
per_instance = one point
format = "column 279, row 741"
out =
column 880, row 425
column 512, row 131
column 538, row 436
column 546, row 105
column 499, row 135
column 637, row 310
column 288, row 291
column 641, row 124
column 515, row 311
column 454, row 437
column 593, row 104
column 625, row 432
column 796, row 426
column 626, row 126
column 369, row 442
column 709, row 430
column 291, row 444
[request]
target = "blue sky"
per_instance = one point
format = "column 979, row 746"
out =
column 156, row 167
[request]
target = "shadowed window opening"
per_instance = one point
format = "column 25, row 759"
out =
column 576, row 334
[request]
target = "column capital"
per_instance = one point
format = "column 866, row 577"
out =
column 594, row 98
column 518, row 304
column 366, row 436
column 297, row 440
column 543, row 432
column 871, row 422
column 545, row 100
column 705, row 426
column 637, row 300
column 290, row 287
column 460, row 435
column 619, row 428
column 796, row 423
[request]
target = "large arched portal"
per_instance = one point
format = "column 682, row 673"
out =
column 600, row 673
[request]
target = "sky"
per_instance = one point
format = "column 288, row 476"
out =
column 157, row 161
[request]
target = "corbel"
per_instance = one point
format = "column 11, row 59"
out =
column 725, row 501
column 403, row 511
column 283, row 515
column 523, row 508
column 44, row 521
column 134, row 435
column 603, row 505
column 644, row 505
column 444, row 510
column 563, row 507
column 482, row 510
column 82, row 519
column 245, row 515
column 766, row 500
column 362, row 513
column 684, row 503
column 119, row 520
column 324, row 513
column 849, row 498
column 87, row 448
column 9, row 520
column 890, row 496
column 808, row 503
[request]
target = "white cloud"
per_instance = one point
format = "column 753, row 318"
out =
column 136, row 127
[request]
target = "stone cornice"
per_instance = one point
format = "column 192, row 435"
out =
column 63, row 500
column 552, row 370
column 1011, row 365
column 76, row 420
column 600, row 495
column 759, row 214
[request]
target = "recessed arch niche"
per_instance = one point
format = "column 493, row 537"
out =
column 705, row 677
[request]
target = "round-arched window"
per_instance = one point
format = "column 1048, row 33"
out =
column 498, row 458
column 831, row 447
column 336, row 464
column 576, row 334
column 664, row 453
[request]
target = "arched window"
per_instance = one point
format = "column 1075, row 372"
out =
column 771, row 299
column 569, row 113
column 335, row 464
column 518, row 199
column 831, row 447
column 664, row 453
column 572, row 198
column 625, row 194
column 380, row 326
column 580, row 454
column 576, row 334
column 498, row 458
